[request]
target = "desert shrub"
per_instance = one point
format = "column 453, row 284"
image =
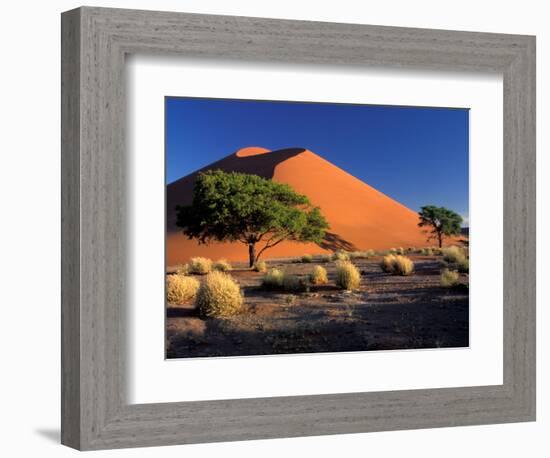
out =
column 392, row 251
column 325, row 258
column 347, row 275
column 260, row 266
column 290, row 299
column 453, row 254
column 180, row 288
column 397, row 264
column 200, row 265
column 182, row 269
column 340, row 255
column 449, row 278
column 318, row 276
column 463, row 266
column 426, row 251
column 400, row 250
column 387, row 263
column 219, row 296
column 222, row 265
column 361, row 254
column 273, row 279
column 402, row 265
column 295, row 283
column 306, row 258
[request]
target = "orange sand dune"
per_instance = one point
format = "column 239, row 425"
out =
column 360, row 217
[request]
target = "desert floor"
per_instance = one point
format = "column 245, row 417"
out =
column 388, row 312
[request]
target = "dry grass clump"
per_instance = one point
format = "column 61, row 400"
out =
column 402, row 265
column 200, row 266
column 463, row 266
column 318, row 276
column 306, row 258
column 347, row 276
column 397, row 264
column 453, row 254
column 182, row 269
column 325, row 258
column 273, row 279
column 387, row 263
column 222, row 265
column 295, row 283
column 449, row 278
column 340, row 255
column 260, row 266
column 219, row 296
column 180, row 289
column 427, row 251
column 361, row 254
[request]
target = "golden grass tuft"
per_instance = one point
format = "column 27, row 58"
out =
column 295, row 283
column 449, row 278
column 387, row 263
column 273, row 279
column 340, row 255
column 200, row 266
column 453, row 254
column 318, row 276
column 347, row 276
column 222, row 265
column 182, row 269
column 260, row 266
column 397, row 264
column 180, row 289
column 219, row 296
column 306, row 258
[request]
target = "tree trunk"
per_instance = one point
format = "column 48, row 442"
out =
column 440, row 239
column 251, row 254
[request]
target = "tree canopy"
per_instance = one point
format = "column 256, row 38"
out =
column 240, row 207
column 442, row 221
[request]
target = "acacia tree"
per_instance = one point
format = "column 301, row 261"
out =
column 442, row 221
column 258, row 212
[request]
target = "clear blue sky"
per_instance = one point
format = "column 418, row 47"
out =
column 416, row 155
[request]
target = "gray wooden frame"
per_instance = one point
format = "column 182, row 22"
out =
column 95, row 413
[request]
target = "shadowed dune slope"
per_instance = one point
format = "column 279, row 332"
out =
column 360, row 217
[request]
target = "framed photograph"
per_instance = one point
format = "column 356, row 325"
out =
column 279, row 228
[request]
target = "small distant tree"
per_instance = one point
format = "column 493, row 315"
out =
column 258, row 212
column 442, row 221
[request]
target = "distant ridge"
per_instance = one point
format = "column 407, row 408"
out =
column 360, row 217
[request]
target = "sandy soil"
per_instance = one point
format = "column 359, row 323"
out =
column 388, row 312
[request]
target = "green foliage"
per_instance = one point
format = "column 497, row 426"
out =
column 318, row 276
column 442, row 222
column 219, row 296
column 240, row 207
column 347, row 276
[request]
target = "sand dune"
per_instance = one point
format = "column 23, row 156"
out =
column 360, row 217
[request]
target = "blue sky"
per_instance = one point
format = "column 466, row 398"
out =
column 416, row 155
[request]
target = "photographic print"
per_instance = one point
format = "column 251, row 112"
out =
column 303, row 227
